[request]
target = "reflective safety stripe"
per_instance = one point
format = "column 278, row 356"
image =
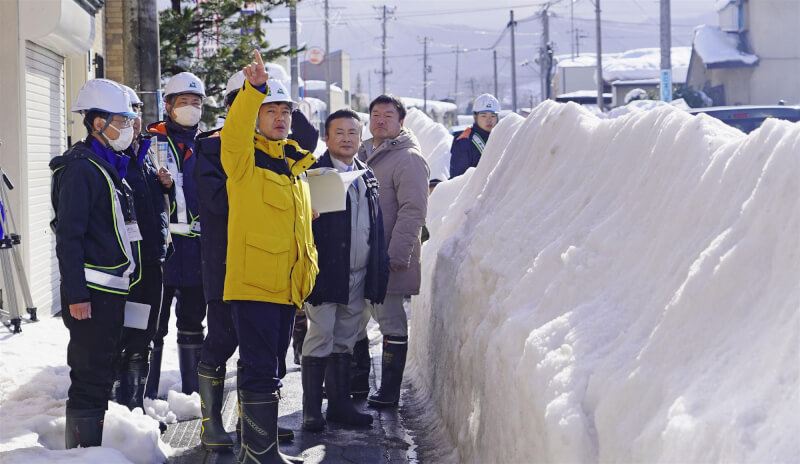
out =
column 478, row 142
column 173, row 165
column 104, row 278
column 107, row 280
column 183, row 229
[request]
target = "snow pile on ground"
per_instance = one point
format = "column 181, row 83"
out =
column 616, row 290
column 435, row 141
column 33, row 392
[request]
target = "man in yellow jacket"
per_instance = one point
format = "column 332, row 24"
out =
column 272, row 260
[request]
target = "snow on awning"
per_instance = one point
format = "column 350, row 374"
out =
column 720, row 4
column 719, row 49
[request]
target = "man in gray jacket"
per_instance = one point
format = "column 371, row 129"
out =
column 395, row 157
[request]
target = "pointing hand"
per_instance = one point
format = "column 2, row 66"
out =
column 255, row 71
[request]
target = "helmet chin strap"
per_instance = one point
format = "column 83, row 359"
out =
column 103, row 137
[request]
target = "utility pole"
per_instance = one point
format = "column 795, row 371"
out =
column 327, row 63
column 599, row 57
column 293, row 45
column 425, row 75
column 455, row 92
column 384, row 72
column 512, row 25
column 544, row 62
column 149, row 60
column 573, row 36
column 666, row 51
column 494, row 55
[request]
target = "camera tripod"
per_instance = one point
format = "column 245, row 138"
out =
column 9, row 249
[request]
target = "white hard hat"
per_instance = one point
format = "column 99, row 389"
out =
column 486, row 103
column 235, row 82
column 185, row 82
column 103, row 95
column 277, row 93
column 132, row 95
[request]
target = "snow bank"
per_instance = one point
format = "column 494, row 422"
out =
column 616, row 290
column 435, row 141
column 33, row 392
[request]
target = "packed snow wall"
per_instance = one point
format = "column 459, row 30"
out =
column 615, row 290
column 434, row 140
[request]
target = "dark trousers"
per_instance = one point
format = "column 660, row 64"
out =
column 148, row 291
column 92, row 348
column 221, row 341
column 264, row 331
column 189, row 311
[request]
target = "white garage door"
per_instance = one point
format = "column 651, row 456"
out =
column 45, row 111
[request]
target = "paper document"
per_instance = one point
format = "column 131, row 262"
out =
column 329, row 188
column 136, row 315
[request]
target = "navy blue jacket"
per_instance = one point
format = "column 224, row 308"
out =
column 332, row 238
column 183, row 268
column 464, row 154
column 84, row 225
column 148, row 194
column 212, row 198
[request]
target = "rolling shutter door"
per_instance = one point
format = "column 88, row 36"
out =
column 45, row 121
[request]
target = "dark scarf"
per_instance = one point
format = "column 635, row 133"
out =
column 113, row 158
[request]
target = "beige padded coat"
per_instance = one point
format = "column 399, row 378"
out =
column 403, row 175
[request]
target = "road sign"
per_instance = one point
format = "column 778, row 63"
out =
column 666, row 85
column 315, row 55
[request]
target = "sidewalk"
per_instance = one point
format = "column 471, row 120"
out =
column 387, row 441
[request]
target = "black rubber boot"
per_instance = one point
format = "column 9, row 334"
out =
column 360, row 366
column 154, row 377
column 211, row 383
column 84, row 428
column 312, row 375
column 284, row 435
column 118, row 393
column 188, row 358
column 340, row 405
column 260, row 430
column 134, row 378
column 393, row 364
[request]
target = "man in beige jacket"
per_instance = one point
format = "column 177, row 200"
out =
column 394, row 156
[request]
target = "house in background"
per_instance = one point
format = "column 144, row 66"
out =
column 752, row 57
column 622, row 72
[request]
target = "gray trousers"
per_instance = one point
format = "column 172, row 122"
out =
column 334, row 328
column 391, row 317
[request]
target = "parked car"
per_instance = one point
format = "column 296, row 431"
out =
column 749, row 118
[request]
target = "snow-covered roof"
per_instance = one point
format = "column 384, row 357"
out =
column 583, row 94
column 583, row 61
column 312, row 85
column 645, row 63
column 720, row 4
column 636, row 82
column 638, row 63
column 718, row 48
column 435, row 105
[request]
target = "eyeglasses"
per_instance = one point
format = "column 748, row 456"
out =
column 122, row 121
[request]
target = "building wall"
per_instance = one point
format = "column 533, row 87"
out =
column 773, row 28
column 573, row 78
column 738, row 83
column 114, row 33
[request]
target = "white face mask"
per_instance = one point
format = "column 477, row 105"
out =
column 123, row 141
column 187, row 116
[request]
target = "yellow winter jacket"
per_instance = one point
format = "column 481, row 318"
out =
column 271, row 252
